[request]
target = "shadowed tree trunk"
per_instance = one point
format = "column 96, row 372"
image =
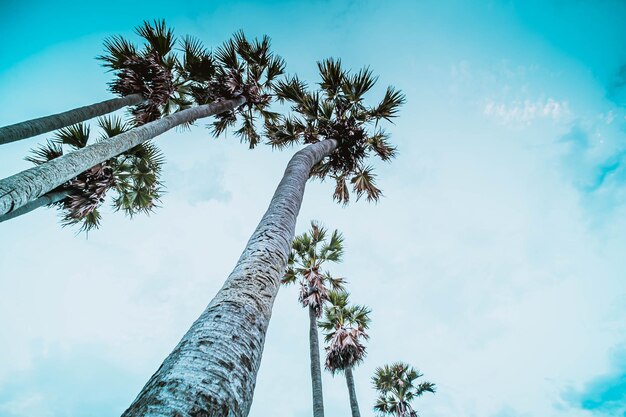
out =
column 316, row 367
column 34, row 127
column 44, row 200
column 212, row 371
column 19, row 189
column 354, row 405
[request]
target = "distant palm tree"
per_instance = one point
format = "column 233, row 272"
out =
column 310, row 251
column 397, row 387
column 145, row 78
column 235, row 84
column 212, row 371
column 344, row 328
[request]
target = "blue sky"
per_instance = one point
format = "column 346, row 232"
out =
column 494, row 263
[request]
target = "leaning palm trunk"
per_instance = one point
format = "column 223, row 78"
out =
column 316, row 368
column 212, row 371
column 28, row 185
column 354, row 405
column 44, row 200
column 34, row 127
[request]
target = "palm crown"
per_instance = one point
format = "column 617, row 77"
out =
column 344, row 328
column 241, row 68
column 171, row 82
column 397, row 386
column 309, row 252
column 134, row 175
column 150, row 70
column 337, row 111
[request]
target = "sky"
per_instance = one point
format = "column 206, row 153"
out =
column 494, row 264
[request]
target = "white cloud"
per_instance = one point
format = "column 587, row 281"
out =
column 526, row 111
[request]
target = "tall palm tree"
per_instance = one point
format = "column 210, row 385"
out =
column 212, row 371
column 144, row 77
column 234, row 85
column 133, row 175
column 344, row 329
column 397, row 386
column 310, row 251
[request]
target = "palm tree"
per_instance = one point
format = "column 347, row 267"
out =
column 236, row 84
column 397, row 387
column 310, row 251
column 212, row 371
column 133, row 175
column 144, row 78
column 344, row 328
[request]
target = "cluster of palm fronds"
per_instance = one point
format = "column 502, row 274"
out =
column 344, row 326
column 337, row 112
column 310, row 251
column 396, row 384
column 133, row 175
column 171, row 82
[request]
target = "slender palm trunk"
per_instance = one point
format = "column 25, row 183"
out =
column 212, row 371
column 316, row 368
column 45, row 124
column 28, row 185
column 44, row 200
column 354, row 405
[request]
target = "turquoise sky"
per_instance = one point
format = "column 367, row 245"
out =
column 495, row 263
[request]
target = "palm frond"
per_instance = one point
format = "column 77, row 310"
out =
column 44, row 153
column 332, row 76
column 363, row 184
column 160, row 38
column 118, row 52
column 75, row 136
column 389, row 106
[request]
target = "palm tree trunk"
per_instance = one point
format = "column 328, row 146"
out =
column 44, row 200
column 354, row 405
column 45, row 124
column 212, row 371
column 28, row 185
column 316, row 369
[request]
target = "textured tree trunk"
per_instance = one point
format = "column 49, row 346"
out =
column 212, row 371
column 316, row 368
column 28, row 185
column 44, row 200
column 354, row 405
column 45, row 124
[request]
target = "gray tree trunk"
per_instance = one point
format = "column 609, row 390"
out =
column 44, row 200
column 354, row 405
column 28, row 185
column 212, row 371
column 316, row 368
column 34, row 127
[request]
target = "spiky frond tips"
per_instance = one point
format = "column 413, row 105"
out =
column 310, row 251
column 344, row 328
column 158, row 36
column 397, row 387
column 337, row 111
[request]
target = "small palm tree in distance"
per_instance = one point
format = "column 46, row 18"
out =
column 344, row 327
column 310, row 251
column 397, row 387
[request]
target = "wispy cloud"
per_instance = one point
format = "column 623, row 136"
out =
column 526, row 111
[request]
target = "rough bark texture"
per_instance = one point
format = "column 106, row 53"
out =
column 19, row 189
column 316, row 367
column 44, row 200
column 354, row 405
column 45, row 124
column 212, row 371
